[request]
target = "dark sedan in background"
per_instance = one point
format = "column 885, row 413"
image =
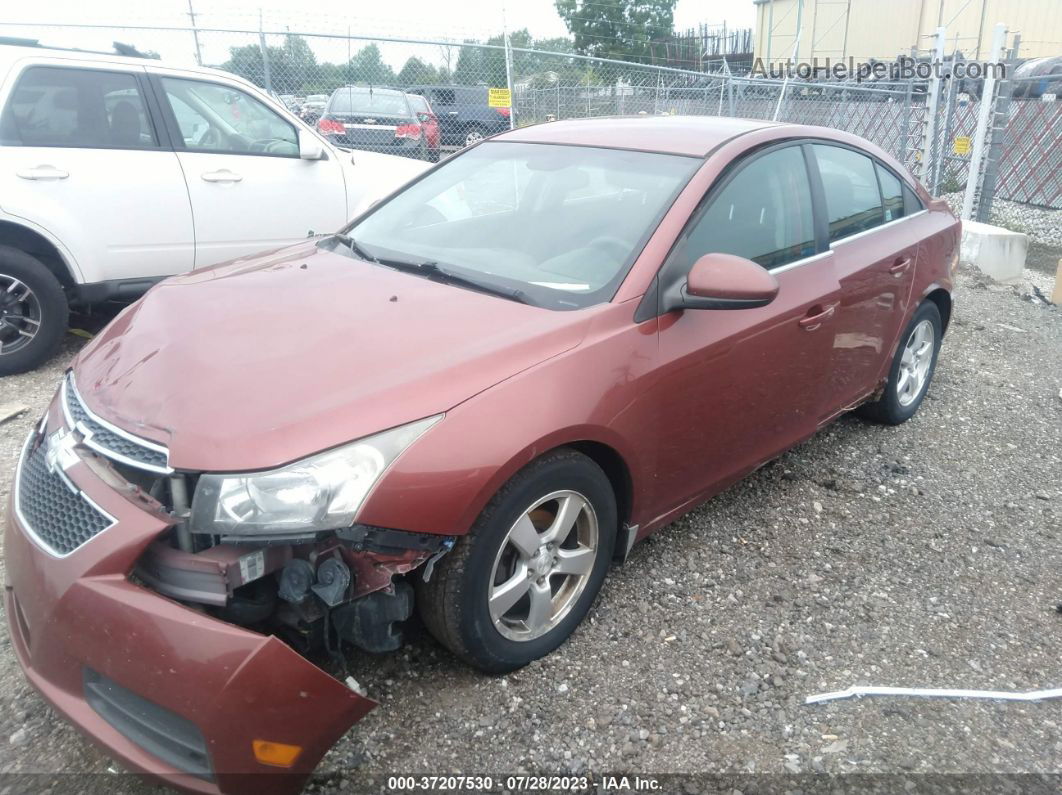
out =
column 376, row 119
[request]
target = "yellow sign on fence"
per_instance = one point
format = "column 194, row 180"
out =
column 961, row 145
column 499, row 98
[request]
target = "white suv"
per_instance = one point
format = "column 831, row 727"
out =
column 117, row 171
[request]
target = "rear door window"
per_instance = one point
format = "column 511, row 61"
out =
column 853, row 202
column 891, row 193
column 763, row 214
column 77, row 108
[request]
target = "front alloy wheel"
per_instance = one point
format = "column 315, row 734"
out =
column 543, row 565
column 515, row 587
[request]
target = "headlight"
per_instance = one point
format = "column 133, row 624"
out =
column 322, row 492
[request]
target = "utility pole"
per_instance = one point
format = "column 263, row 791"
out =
column 195, row 34
column 265, row 56
column 509, row 71
column 983, row 136
column 792, row 59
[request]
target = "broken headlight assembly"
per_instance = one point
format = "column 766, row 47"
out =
column 319, row 493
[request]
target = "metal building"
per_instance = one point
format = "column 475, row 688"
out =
column 865, row 29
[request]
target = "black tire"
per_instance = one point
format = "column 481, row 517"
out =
column 889, row 408
column 46, row 301
column 454, row 603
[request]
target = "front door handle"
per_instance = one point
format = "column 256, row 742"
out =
column 42, row 172
column 816, row 316
column 221, row 175
column 897, row 268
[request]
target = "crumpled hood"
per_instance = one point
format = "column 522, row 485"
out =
column 265, row 360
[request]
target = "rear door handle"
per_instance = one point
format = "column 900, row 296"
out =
column 221, row 175
column 42, row 172
column 812, row 321
column 901, row 264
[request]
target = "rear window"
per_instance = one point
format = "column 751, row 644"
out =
column 77, row 108
column 853, row 201
column 367, row 101
column 891, row 194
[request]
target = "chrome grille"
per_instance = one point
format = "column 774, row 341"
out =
column 51, row 509
column 108, row 440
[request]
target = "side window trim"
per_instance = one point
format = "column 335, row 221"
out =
column 669, row 268
column 174, row 130
column 139, row 76
column 905, row 187
column 155, row 112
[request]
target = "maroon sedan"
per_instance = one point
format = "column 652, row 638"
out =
column 470, row 402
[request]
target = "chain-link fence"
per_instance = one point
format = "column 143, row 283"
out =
column 931, row 136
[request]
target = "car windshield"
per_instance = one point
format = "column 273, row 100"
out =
column 561, row 224
column 362, row 100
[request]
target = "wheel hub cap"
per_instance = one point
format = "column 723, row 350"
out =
column 20, row 314
column 543, row 565
column 915, row 361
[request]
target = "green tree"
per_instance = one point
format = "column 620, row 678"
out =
column 620, row 29
column 298, row 66
column 472, row 68
column 416, row 72
column 291, row 66
column 368, row 67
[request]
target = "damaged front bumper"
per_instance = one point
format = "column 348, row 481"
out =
column 165, row 688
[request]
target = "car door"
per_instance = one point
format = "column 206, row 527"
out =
column 249, row 189
column 84, row 158
column 874, row 258
column 738, row 387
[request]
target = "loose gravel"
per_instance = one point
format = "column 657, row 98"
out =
column 922, row 555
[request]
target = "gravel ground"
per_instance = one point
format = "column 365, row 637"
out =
column 923, row 555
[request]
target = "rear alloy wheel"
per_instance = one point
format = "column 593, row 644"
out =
column 474, row 135
column 33, row 311
column 912, row 369
column 518, row 584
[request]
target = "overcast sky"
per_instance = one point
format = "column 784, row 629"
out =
column 447, row 19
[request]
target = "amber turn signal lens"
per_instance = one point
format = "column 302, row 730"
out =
column 275, row 754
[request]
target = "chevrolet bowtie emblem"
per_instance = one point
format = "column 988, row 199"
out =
column 59, row 451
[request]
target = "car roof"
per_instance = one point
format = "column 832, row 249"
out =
column 367, row 89
column 12, row 53
column 694, row 136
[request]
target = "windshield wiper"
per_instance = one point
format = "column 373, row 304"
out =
column 432, row 269
column 354, row 246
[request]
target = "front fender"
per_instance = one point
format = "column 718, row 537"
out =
column 590, row 393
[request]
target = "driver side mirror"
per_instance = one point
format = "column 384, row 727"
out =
column 310, row 148
column 723, row 281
